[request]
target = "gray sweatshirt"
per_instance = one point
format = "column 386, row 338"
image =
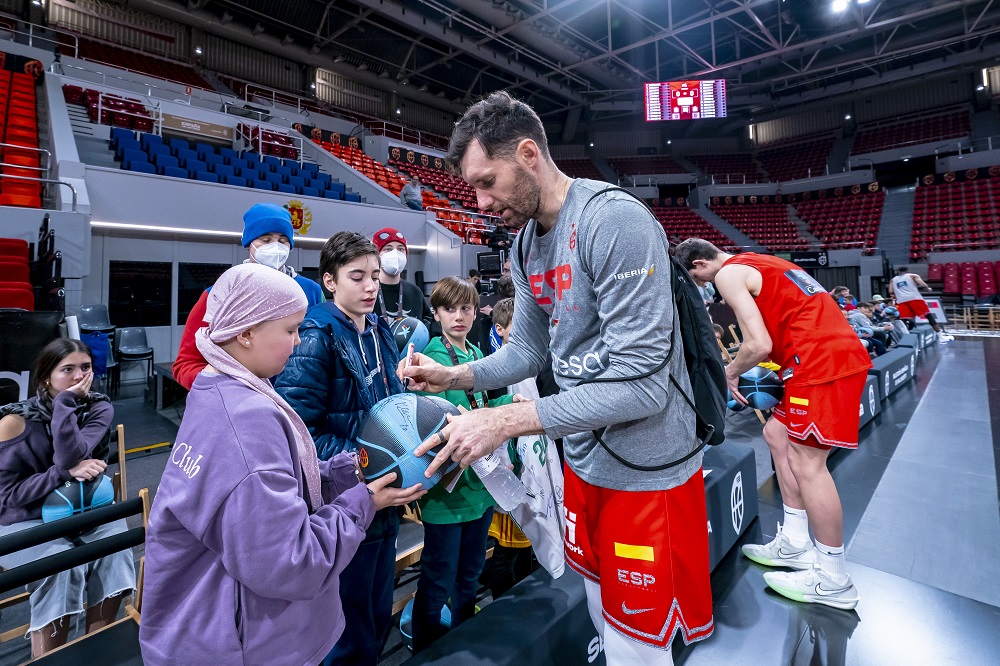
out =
column 595, row 291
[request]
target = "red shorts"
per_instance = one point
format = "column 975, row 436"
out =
column 823, row 415
column 649, row 552
column 909, row 309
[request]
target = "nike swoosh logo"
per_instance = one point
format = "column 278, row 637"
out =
column 628, row 611
column 786, row 555
column 825, row 593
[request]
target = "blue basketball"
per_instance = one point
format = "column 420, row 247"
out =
column 407, row 330
column 734, row 404
column 393, row 429
column 74, row 497
column 761, row 387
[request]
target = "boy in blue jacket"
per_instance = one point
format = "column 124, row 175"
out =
column 345, row 364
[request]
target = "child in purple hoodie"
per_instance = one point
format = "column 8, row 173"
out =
column 249, row 531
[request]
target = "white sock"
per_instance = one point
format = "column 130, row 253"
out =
column 796, row 526
column 831, row 560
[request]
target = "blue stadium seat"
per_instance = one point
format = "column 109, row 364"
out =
column 228, row 155
column 175, row 172
column 309, row 192
column 178, row 144
column 210, row 158
column 126, row 144
column 251, row 158
column 272, row 178
column 164, row 161
column 284, row 172
column 150, row 139
column 352, row 196
column 333, row 194
column 206, row 177
column 194, row 166
column 222, row 170
column 204, row 149
column 264, row 185
column 235, row 162
column 141, row 167
column 184, row 155
column 286, row 188
column 233, row 180
column 272, row 161
column 311, row 167
column 120, row 133
column 297, row 183
column 248, row 172
column 323, row 177
column 153, row 149
column 339, row 188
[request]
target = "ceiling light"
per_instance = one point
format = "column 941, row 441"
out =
column 591, row 144
column 847, row 117
column 863, row 2
column 399, row 111
column 906, row 159
column 980, row 88
column 313, row 86
column 840, row 5
column 197, row 50
column 669, row 142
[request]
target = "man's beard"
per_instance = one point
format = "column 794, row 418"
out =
column 525, row 201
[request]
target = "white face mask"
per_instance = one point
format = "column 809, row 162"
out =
column 273, row 255
column 393, row 262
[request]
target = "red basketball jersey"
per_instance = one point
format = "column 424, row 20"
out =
column 810, row 338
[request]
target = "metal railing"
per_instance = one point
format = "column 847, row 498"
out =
column 45, row 180
column 408, row 134
column 33, row 36
column 48, row 157
column 983, row 245
column 257, row 143
column 150, row 89
column 156, row 114
column 988, row 143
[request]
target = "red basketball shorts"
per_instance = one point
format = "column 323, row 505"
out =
column 909, row 309
column 648, row 550
column 823, row 415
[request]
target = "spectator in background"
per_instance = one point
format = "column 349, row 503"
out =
column 707, row 290
column 268, row 235
column 862, row 318
column 844, row 299
column 878, row 306
column 499, row 239
column 397, row 297
column 475, row 275
column 410, row 194
column 58, row 435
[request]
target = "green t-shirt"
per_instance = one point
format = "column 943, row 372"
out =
column 470, row 499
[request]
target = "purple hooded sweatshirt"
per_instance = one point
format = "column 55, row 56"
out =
column 237, row 570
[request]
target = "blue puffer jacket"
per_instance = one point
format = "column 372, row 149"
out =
column 324, row 379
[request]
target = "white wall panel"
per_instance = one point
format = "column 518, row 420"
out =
column 927, row 96
column 252, row 65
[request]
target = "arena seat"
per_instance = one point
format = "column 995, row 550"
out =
column 960, row 215
column 14, row 249
column 681, row 223
column 14, row 271
column 17, row 295
column 912, row 129
column 730, row 168
column 849, row 221
column 800, row 157
column 118, row 56
column 768, row 224
column 636, row 165
column 239, row 182
column 19, row 154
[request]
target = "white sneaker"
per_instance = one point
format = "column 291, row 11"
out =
column 813, row 586
column 944, row 338
column 781, row 553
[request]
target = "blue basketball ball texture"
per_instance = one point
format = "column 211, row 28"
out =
column 733, row 404
column 393, row 429
column 74, row 497
column 410, row 329
column 761, row 387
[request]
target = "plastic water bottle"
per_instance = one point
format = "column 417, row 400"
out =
column 506, row 489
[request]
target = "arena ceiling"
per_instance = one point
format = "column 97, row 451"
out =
column 574, row 59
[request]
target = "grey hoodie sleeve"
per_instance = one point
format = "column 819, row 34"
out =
column 625, row 255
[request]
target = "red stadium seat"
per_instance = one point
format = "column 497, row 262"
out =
column 16, row 295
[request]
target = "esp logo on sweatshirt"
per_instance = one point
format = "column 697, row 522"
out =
column 556, row 281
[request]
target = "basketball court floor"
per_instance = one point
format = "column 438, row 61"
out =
column 921, row 524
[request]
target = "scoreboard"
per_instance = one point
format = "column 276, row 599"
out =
column 685, row 100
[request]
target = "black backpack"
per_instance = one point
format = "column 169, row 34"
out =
column 701, row 356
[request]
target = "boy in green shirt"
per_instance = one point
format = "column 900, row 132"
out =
column 455, row 524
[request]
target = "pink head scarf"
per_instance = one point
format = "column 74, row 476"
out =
column 242, row 297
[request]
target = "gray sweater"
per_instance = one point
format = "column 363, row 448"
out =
column 595, row 291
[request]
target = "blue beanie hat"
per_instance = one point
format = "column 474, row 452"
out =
column 265, row 218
